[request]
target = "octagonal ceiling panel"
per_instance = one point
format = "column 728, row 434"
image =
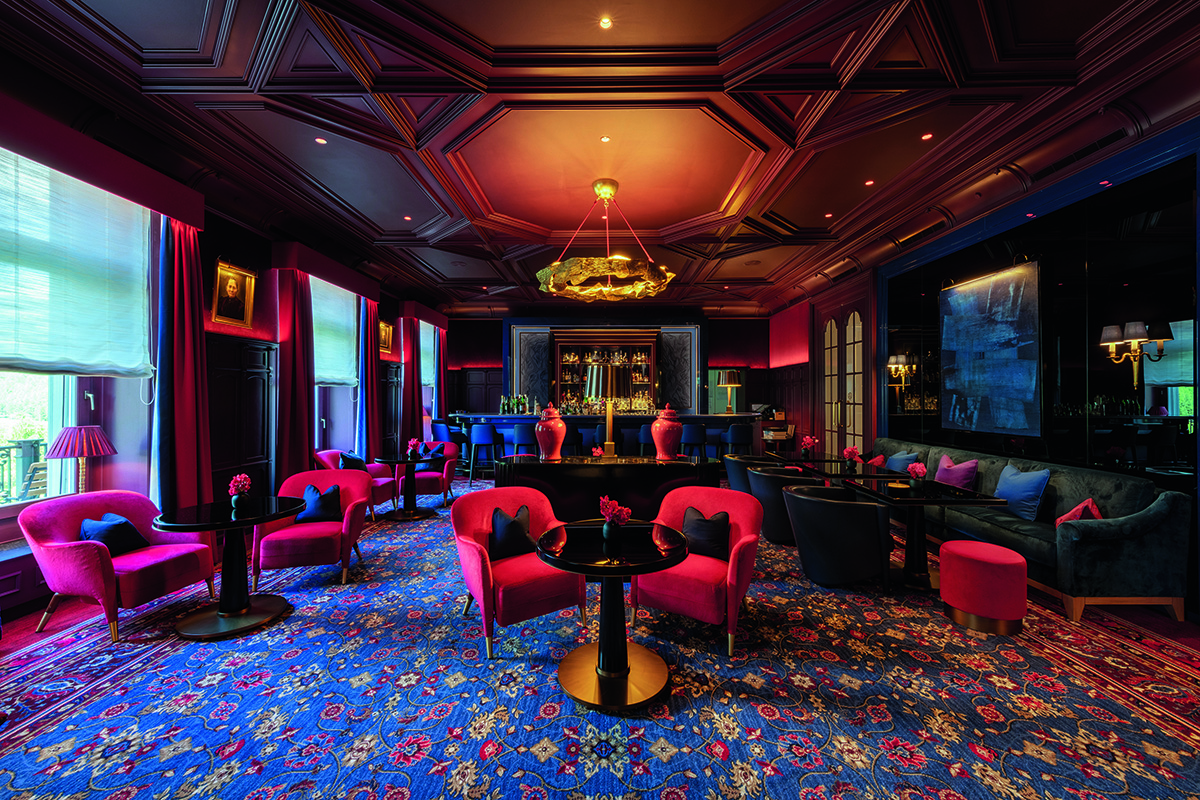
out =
column 755, row 265
column 538, row 165
column 366, row 179
column 453, row 266
column 636, row 23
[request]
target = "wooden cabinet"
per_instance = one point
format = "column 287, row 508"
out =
column 591, row 366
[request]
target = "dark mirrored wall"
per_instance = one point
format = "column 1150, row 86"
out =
column 1125, row 254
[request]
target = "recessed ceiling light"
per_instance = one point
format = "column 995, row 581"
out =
column 926, row 137
column 1105, row 183
column 605, row 139
column 606, row 22
column 829, row 216
column 319, row 140
column 408, row 219
column 1031, row 216
column 869, row 183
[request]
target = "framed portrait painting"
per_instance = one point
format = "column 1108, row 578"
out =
column 385, row 337
column 233, row 295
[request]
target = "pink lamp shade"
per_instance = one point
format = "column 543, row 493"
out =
column 81, row 441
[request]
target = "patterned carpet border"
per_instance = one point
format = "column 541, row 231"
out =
column 378, row 690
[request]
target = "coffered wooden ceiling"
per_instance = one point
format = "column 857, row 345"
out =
column 765, row 149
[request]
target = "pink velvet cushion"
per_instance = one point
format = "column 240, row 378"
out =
column 698, row 584
column 960, row 475
column 304, row 544
column 152, row 572
column 878, row 461
column 527, row 587
column 1085, row 510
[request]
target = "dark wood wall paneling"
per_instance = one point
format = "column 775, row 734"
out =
column 389, row 379
column 241, row 409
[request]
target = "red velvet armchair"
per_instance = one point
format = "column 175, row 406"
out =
column 705, row 588
column 434, row 481
column 519, row 587
column 383, row 483
column 85, row 569
column 286, row 543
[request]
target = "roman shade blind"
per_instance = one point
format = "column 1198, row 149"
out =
column 1178, row 358
column 334, row 315
column 74, row 275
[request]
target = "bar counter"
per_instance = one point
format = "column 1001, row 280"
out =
column 627, row 424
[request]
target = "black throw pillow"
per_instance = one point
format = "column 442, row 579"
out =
column 114, row 532
column 319, row 507
column 707, row 537
column 351, row 461
column 432, row 452
column 510, row 535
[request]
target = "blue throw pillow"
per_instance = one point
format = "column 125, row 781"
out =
column 1022, row 490
column 320, row 507
column 707, row 536
column 351, row 461
column 432, row 452
column 510, row 535
column 900, row 461
column 114, row 532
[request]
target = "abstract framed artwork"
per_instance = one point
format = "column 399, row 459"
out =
column 233, row 295
column 385, row 337
column 991, row 354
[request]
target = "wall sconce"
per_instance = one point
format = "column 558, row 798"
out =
column 727, row 379
column 899, row 367
column 1136, row 335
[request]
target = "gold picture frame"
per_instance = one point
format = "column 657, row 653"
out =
column 385, row 337
column 237, row 308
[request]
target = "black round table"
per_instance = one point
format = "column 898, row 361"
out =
column 235, row 610
column 410, row 511
column 612, row 674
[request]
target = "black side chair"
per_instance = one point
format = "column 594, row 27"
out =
column 839, row 539
column 737, row 465
column 766, row 484
column 738, row 439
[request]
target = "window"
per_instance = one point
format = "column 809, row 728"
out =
column 33, row 409
column 335, row 334
column 428, row 366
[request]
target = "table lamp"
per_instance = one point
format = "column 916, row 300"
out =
column 81, row 441
column 728, row 379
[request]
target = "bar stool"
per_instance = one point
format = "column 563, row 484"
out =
column 524, row 436
column 737, row 439
column 694, row 436
column 645, row 438
column 573, row 439
column 602, row 432
column 484, row 435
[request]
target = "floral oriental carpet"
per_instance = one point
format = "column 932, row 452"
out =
column 378, row 690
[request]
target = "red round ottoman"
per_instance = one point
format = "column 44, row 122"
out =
column 983, row 586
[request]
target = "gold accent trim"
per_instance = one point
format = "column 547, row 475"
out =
column 1004, row 627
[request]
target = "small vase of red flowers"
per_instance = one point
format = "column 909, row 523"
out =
column 239, row 489
column 615, row 515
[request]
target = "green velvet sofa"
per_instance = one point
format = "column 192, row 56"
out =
column 1136, row 554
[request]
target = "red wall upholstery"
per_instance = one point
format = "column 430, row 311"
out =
column 789, row 335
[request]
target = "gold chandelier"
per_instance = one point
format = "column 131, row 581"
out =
column 589, row 279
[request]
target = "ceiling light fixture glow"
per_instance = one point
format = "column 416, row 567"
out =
column 605, row 139
column 408, row 219
column 319, row 140
column 926, row 137
column 869, row 183
column 606, row 22
column 589, row 279
column 829, row 216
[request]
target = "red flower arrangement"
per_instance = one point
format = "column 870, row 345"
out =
column 598, row 451
column 916, row 470
column 240, row 484
column 612, row 511
column 809, row 442
column 851, row 454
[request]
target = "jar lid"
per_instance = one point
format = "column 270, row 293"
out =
column 667, row 413
column 550, row 412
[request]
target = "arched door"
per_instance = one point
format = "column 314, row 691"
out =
column 843, row 387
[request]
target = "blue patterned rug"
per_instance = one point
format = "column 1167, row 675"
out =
column 378, row 691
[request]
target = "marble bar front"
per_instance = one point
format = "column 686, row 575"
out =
column 576, row 483
column 627, row 425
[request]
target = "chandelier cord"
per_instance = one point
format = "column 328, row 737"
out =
column 631, row 230
column 581, row 224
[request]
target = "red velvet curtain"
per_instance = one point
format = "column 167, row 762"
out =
column 182, row 448
column 368, row 429
column 297, row 394
column 439, row 386
column 410, row 381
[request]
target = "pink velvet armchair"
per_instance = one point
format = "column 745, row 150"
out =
column 434, row 481
column 384, row 486
column 519, row 587
column 86, row 569
column 702, row 587
column 286, row 543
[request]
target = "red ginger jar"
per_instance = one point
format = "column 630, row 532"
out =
column 550, row 431
column 666, row 431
